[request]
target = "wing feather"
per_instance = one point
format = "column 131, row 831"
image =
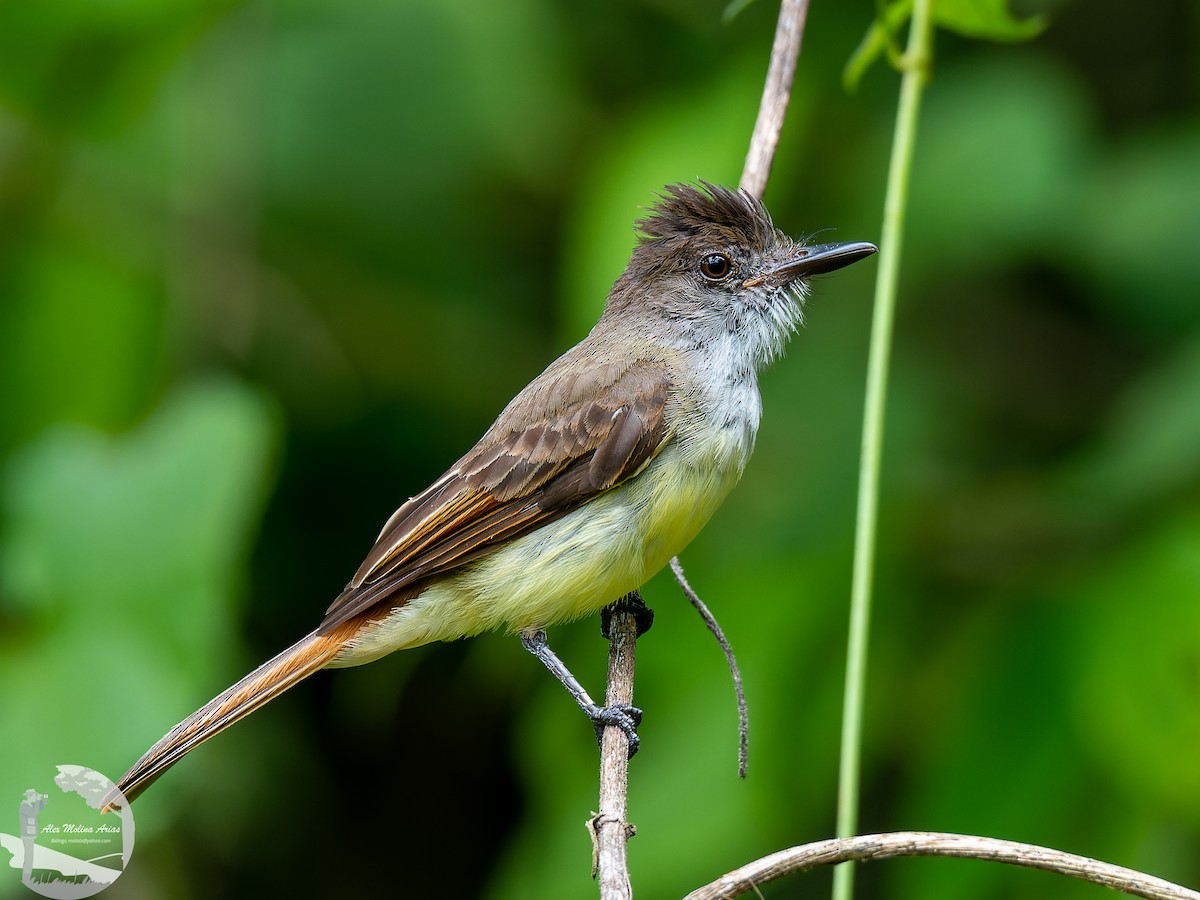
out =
column 543, row 458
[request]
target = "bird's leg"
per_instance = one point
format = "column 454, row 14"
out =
column 627, row 718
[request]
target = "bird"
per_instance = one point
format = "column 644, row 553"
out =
column 591, row 479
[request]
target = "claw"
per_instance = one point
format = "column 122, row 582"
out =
column 627, row 718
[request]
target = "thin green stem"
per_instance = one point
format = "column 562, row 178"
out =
column 913, row 82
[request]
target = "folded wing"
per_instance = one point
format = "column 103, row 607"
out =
column 564, row 441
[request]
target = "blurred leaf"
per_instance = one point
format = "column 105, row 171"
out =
column 1134, row 236
column 734, row 9
column 79, row 64
column 1146, row 453
column 84, row 333
column 1003, row 161
column 1138, row 672
column 988, row 20
column 525, row 39
column 119, row 557
column 994, row 756
column 442, row 58
column 880, row 37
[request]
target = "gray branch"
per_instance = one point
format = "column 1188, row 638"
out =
column 609, row 828
column 925, row 843
column 776, row 92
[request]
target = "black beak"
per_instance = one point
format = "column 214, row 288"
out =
column 816, row 260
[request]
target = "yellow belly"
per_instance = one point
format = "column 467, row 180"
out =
column 574, row 566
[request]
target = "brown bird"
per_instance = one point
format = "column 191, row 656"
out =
column 604, row 467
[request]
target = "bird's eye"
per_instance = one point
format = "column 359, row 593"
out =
column 715, row 266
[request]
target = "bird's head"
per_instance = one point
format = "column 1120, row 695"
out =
column 709, row 260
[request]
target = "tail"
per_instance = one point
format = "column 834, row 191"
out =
column 261, row 686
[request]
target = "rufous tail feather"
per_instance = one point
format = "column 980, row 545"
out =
column 261, row 686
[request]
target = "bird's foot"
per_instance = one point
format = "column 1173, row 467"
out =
column 627, row 718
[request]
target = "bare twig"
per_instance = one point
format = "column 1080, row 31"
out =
column 711, row 621
column 610, row 830
column 924, row 843
column 776, row 92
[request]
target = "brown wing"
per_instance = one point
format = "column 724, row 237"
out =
column 566, row 439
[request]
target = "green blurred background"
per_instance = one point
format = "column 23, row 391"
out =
column 266, row 268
